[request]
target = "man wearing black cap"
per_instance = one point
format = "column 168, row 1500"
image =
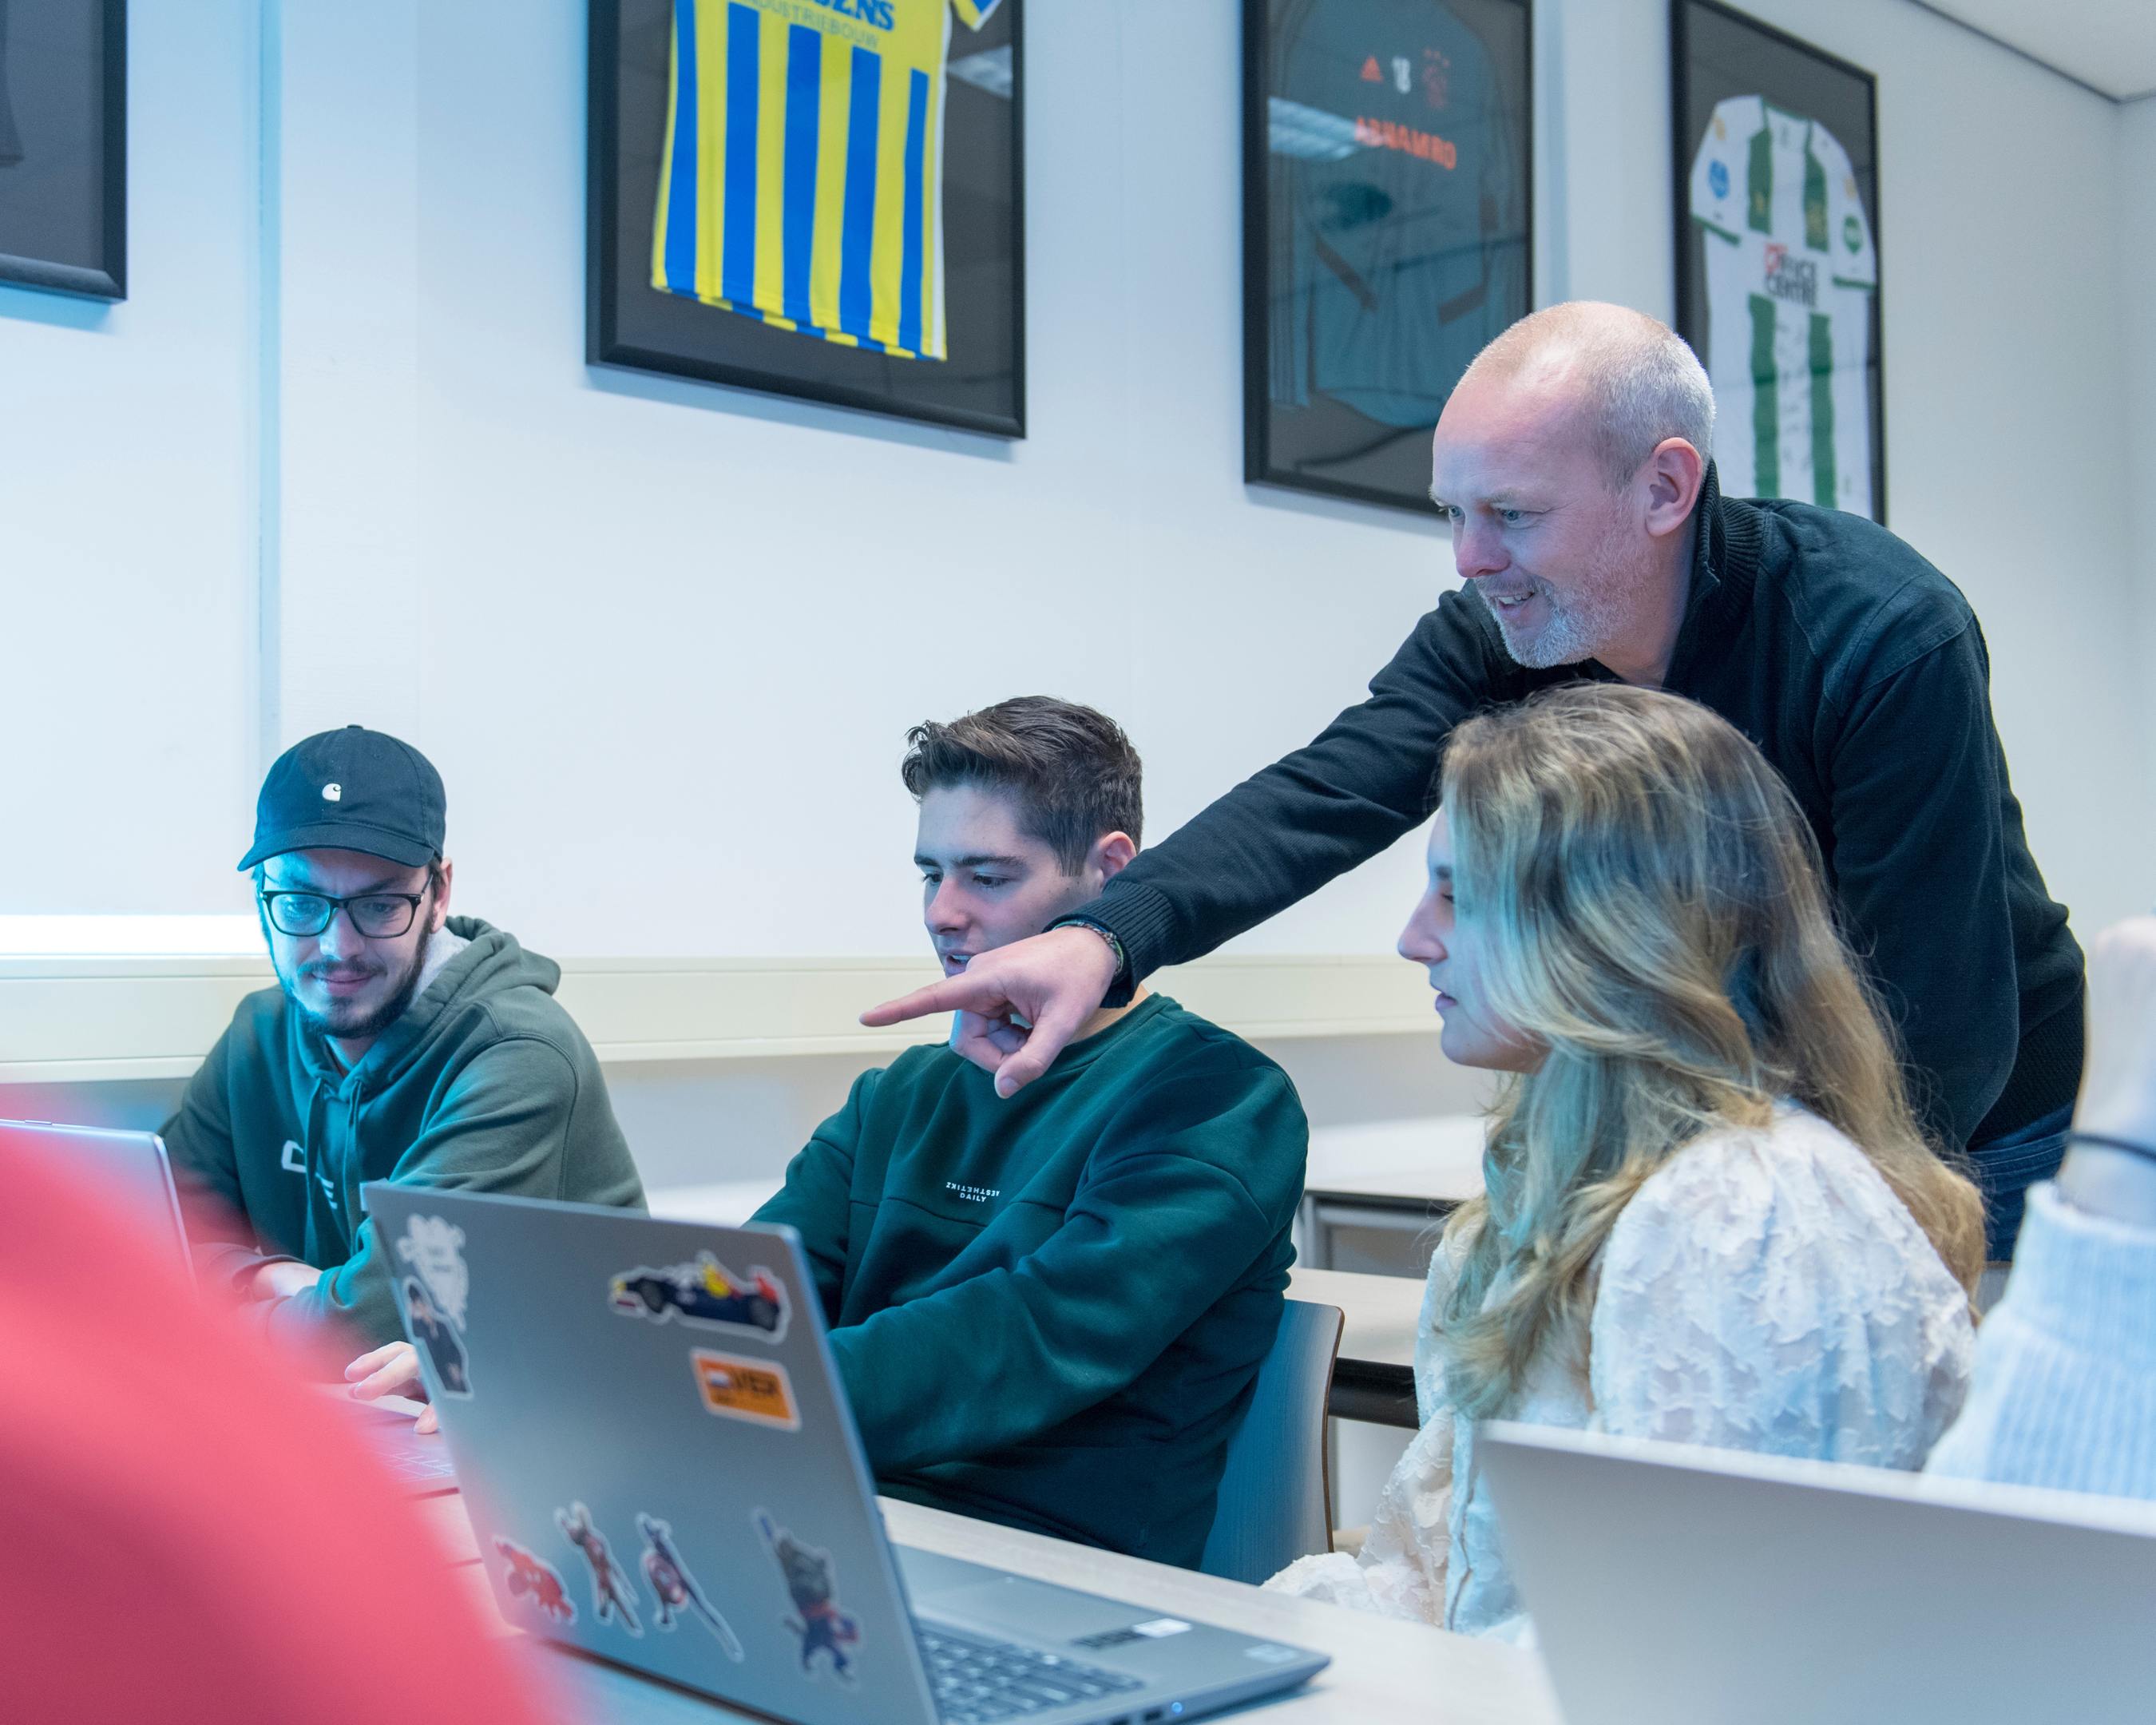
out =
column 402, row 1043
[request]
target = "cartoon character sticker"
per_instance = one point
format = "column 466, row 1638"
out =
column 812, row 1584
column 613, row 1595
column 434, row 1248
column 676, row 1590
column 433, row 1296
column 535, row 1582
column 431, row 1334
column 705, row 1292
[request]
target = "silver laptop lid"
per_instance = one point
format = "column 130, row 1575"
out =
column 129, row 1169
column 1668, row 1582
column 652, row 1451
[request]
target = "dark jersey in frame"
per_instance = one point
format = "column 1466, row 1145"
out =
column 1387, row 210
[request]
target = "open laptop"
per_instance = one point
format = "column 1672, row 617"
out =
column 661, row 1469
column 129, row 1169
column 132, row 1172
column 1668, row 1582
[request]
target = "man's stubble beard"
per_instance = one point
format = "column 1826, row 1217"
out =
column 1596, row 613
column 372, row 1023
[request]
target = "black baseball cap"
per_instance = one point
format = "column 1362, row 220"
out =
column 353, row 789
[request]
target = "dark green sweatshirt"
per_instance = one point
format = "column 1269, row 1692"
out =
column 484, row 1084
column 1048, row 1312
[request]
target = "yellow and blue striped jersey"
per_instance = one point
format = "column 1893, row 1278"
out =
column 801, row 178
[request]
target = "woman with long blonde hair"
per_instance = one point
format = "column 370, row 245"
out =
column 1709, row 1213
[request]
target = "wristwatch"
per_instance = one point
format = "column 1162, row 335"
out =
column 1120, row 984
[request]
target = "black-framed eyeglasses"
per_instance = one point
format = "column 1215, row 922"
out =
column 378, row 916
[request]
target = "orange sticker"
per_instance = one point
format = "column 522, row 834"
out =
column 755, row 1390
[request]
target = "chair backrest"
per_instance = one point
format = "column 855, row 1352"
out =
column 1275, row 1502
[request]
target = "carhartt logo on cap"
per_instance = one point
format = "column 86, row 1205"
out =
column 333, row 792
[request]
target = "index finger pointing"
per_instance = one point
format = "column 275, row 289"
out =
column 957, row 993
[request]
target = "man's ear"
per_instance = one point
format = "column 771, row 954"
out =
column 1112, row 854
column 1674, row 475
column 441, row 912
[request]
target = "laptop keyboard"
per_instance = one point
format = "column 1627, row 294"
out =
column 977, row 1681
column 419, row 1470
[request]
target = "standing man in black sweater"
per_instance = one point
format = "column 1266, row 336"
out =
column 1596, row 542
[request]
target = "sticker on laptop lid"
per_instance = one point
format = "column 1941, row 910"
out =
column 448, row 1371
column 755, row 1390
column 613, row 1595
column 705, row 1293
column 532, row 1581
column 434, row 1247
column 676, row 1590
column 1161, row 1626
column 1271, row 1653
column 812, row 1585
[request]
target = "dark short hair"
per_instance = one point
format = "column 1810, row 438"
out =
column 1071, row 771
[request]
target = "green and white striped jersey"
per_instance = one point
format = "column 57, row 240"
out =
column 1791, row 269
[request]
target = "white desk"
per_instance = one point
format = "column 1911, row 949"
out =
column 1381, row 1671
column 1373, row 1378
column 1397, row 1176
column 1382, row 1312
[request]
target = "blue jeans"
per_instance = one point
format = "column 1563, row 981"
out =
column 2007, row 1166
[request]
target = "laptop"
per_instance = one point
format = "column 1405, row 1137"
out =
column 661, row 1470
column 130, row 1169
column 1668, row 1582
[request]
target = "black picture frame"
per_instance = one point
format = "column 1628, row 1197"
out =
column 1300, row 336
column 1718, row 54
column 628, row 323
column 64, row 146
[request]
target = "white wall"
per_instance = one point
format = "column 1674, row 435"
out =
column 434, row 444
column 665, row 660
column 2002, row 190
column 650, row 618
column 2137, row 273
column 128, row 521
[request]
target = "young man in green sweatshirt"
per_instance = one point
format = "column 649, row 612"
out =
column 402, row 1044
column 1049, row 1312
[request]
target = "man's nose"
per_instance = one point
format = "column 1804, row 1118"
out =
column 340, row 940
column 945, row 909
column 1477, row 550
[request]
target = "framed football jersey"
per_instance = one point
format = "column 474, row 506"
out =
column 1777, row 178
column 821, row 200
column 1386, row 176
column 64, row 146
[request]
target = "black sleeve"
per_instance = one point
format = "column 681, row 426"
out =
column 1921, row 806
column 1278, row 836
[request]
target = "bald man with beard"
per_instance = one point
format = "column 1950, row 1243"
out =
column 1592, row 540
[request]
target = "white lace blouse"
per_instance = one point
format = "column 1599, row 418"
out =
column 1764, row 1290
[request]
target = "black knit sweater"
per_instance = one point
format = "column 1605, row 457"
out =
column 1859, row 669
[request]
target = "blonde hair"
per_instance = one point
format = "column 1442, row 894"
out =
column 1656, row 921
